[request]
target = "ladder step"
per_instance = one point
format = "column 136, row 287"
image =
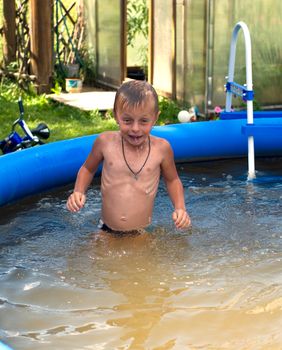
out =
column 261, row 129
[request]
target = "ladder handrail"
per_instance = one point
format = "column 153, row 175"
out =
column 245, row 92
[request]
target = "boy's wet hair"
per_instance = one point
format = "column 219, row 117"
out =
column 133, row 93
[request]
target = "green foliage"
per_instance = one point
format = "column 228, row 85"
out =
column 169, row 111
column 12, row 67
column 57, row 89
column 138, row 29
column 256, row 105
column 137, row 20
column 88, row 68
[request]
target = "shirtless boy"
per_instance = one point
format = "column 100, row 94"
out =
column 133, row 161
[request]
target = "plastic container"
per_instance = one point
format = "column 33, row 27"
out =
column 73, row 85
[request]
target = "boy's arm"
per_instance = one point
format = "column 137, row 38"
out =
column 84, row 177
column 174, row 188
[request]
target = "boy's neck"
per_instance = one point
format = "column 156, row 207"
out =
column 136, row 173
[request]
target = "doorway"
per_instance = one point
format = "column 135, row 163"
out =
column 137, row 39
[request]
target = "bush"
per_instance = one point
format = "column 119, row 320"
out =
column 169, row 111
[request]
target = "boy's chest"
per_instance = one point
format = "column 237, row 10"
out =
column 120, row 163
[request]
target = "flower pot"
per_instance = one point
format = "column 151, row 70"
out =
column 72, row 70
column 73, row 85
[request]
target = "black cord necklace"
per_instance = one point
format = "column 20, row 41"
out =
column 135, row 174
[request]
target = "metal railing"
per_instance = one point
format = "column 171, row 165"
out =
column 246, row 91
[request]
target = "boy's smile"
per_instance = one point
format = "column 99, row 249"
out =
column 136, row 140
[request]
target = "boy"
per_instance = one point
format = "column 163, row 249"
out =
column 132, row 163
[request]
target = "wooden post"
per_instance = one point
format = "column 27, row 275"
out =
column 9, row 31
column 151, row 42
column 41, row 43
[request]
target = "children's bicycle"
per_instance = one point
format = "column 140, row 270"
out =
column 32, row 137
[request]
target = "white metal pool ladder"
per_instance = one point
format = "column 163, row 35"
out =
column 246, row 91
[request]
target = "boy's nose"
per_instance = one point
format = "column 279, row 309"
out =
column 135, row 126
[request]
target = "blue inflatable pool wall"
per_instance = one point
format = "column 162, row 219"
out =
column 41, row 168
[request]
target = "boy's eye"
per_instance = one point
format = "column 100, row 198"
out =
column 126, row 121
column 142, row 121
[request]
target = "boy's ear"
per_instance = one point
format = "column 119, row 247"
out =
column 157, row 117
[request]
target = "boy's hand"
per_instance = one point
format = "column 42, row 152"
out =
column 76, row 201
column 181, row 218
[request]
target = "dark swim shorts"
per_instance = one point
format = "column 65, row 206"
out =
column 104, row 227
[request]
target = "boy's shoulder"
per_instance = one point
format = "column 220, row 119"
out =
column 159, row 141
column 108, row 136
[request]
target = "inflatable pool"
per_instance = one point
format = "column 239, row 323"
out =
column 41, row 168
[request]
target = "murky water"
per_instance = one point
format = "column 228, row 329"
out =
column 215, row 286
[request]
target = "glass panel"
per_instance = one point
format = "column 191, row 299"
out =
column 90, row 18
column 194, row 59
column 223, row 25
column 265, row 22
column 163, row 46
column 106, row 37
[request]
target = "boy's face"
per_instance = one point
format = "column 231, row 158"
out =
column 135, row 123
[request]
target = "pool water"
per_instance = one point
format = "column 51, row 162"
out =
column 217, row 285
